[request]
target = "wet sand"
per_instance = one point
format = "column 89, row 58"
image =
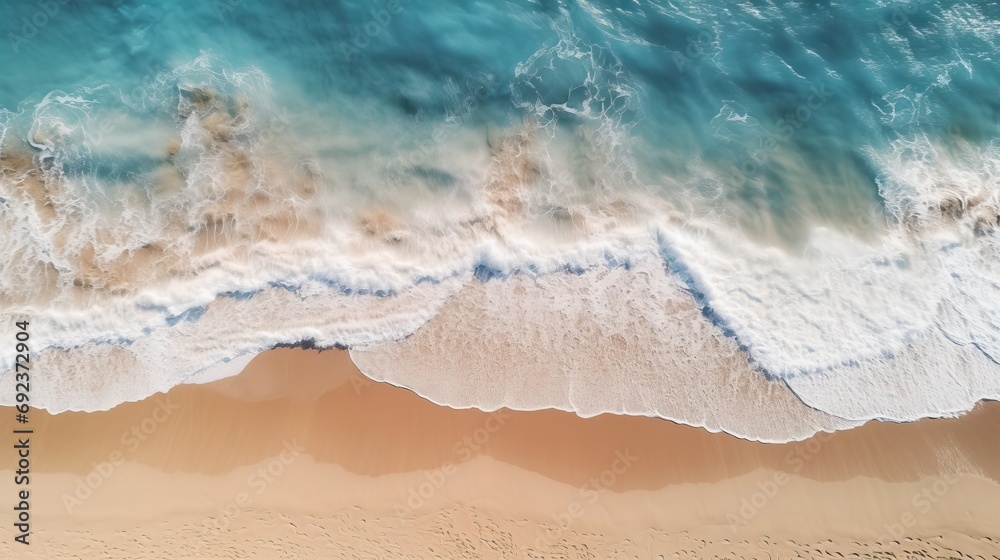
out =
column 300, row 456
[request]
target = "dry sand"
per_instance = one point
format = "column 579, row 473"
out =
column 302, row 457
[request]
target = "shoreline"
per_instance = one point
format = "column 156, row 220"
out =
column 358, row 461
column 238, row 365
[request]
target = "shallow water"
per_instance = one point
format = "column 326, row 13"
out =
column 797, row 201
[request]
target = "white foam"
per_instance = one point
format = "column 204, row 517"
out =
column 838, row 302
column 99, row 375
column 619, row 341
column 137, row 284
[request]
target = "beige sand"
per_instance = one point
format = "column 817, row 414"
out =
column 301, row 457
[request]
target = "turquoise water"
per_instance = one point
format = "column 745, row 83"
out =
column 821, row 178
column 706, row 80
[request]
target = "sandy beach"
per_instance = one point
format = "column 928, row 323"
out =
column 300, row 456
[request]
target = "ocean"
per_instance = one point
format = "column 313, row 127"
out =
column 764, row 218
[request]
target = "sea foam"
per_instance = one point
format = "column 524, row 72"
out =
column 525, row 264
